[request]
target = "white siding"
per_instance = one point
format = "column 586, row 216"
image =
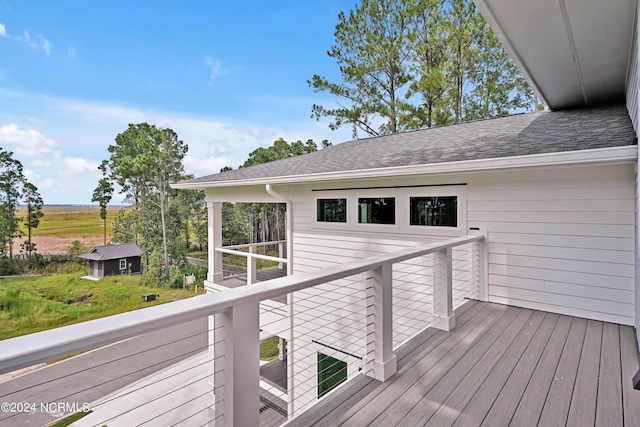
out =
column 560, row 240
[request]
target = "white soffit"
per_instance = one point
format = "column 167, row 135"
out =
column 574, row 52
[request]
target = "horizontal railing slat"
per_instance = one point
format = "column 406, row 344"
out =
column 16, row 353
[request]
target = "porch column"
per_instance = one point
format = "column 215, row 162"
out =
column 380, row 362
column 214, row 210
column 237, row 366
column 443, row 316
column 252, row 266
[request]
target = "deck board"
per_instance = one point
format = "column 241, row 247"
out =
column 464, row 390
column 470, row 357
column 480, row 403
column 608, row 411
column 556, row 408
column 500, row 366
column 583, row 404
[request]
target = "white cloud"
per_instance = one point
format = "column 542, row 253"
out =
column 75, row 165
column 46, row 46
column 67, row 138
column 26, row 142
column 3, row 31
column 71, row 51
column 37, row 42
column 215, row 67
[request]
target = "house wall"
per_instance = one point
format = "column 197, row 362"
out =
column 633, row 101
column 560, row 239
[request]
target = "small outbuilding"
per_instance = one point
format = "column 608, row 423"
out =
column 113, row 259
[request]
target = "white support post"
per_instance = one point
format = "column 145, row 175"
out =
column 443, row 316
column 380, row 362
column 237, row 366
column 215, row 241
column 281, row 253
column 479, row 265
column 252, row 267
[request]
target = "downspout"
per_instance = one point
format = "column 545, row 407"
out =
column 291, row 409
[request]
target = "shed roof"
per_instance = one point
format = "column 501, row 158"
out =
column 104, row 253
column 510, row 136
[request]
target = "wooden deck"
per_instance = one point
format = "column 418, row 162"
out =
column 500, row 366
column 261, row 276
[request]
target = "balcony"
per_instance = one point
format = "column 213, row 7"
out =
column 397, row 351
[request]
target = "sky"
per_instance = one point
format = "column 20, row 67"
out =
column 227, row 77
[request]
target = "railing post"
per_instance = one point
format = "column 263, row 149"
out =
column 380, row 362
column 237, row 366
column 214, row 210
column 443, row 316
column 479, row 265
column 252, row 266
column 281, row 253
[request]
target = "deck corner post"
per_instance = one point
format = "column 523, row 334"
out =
column 443, row 316
column 237, row 366
column 380, row 361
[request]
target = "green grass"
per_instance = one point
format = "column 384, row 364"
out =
column 71, row 419
column 32, row 304
column 72, row 220
column 269, row 349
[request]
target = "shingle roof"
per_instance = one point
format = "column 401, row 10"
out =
column 104, row 253
column 516, row 135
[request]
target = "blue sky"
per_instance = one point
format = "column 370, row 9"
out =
column 228, row 77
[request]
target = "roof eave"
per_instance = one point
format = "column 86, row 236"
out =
column 489, row 16
column 611, row 155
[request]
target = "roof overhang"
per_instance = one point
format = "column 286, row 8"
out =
column 615, row 155
column 573, row 52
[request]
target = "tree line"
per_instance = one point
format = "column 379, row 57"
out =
column 411, row 64
column 15, row 191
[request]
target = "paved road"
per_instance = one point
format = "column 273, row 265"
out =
column 91, row 376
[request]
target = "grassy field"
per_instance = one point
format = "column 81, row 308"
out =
column 73, row 220
column 32, row 304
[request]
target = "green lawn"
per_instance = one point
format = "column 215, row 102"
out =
column 32, row 304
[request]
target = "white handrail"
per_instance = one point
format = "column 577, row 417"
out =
column 20, row 352
column 248, row 245
column 251, row 255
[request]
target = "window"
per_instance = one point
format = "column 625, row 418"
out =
column 123, row 264
column 379, row 210
column 332, row 210
column 331, row 373
column 434, row 211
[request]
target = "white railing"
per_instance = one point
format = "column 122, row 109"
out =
column 236, row 319
column 252, row 255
